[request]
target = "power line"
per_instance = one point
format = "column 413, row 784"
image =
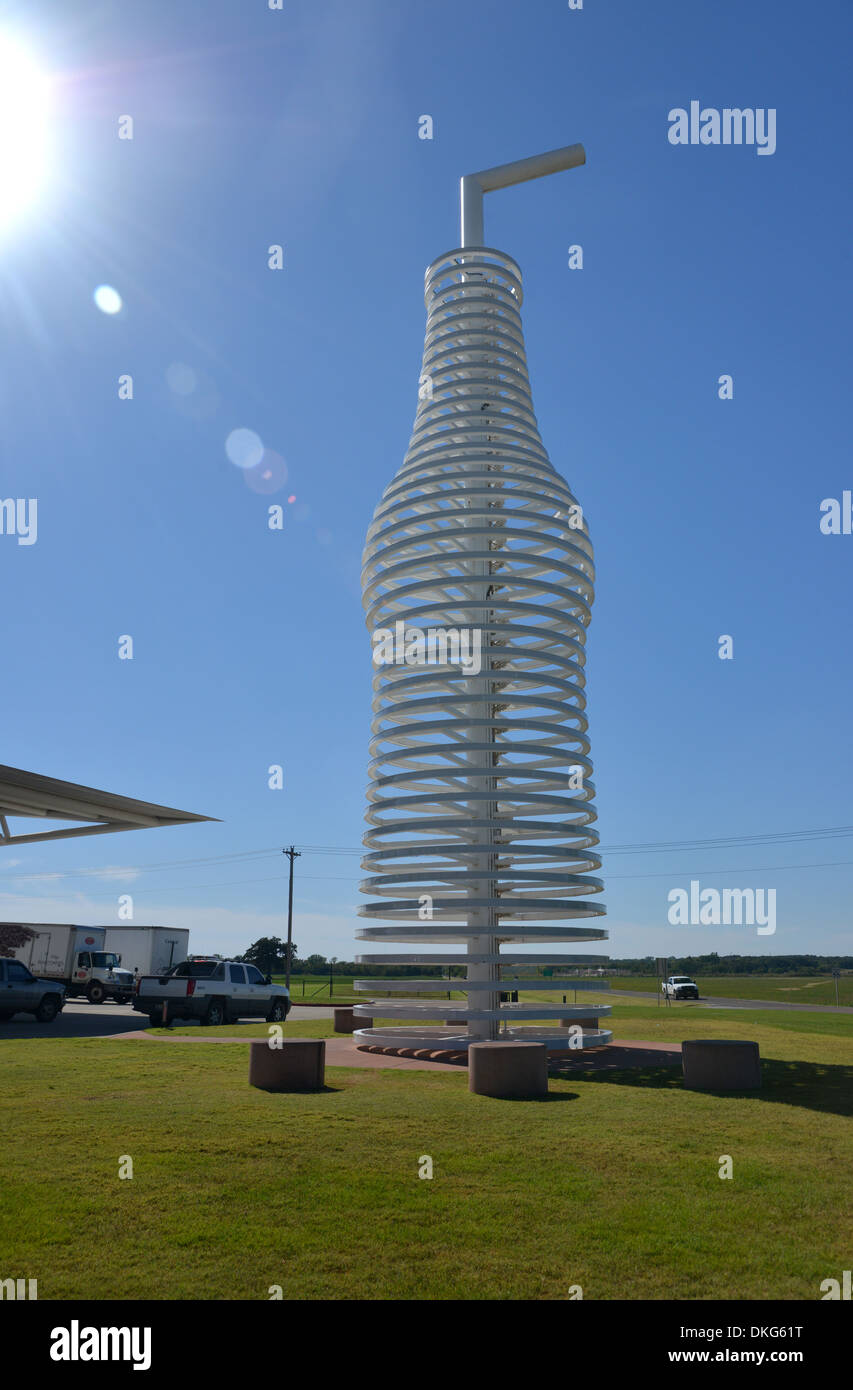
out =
column 291, row 854
column 650, row 847
column 608, row 878
column 661, row 846
column 116, row 870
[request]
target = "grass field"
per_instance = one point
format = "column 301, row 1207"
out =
column 628, row 1020
column 786, row 989
column 316, row 990
column 791, row 989
column 610, row 1183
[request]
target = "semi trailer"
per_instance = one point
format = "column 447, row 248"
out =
column 76, row 957
column 148, row 950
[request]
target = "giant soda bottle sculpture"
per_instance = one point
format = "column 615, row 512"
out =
column 478, row 585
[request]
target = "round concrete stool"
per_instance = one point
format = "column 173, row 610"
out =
column 346, row 1021
column 720, row 1064
column 296, row 1065
column 589, row 1025
column 506, row 1069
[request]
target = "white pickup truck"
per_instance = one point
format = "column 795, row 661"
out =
column 680, row 987
column 213, row 991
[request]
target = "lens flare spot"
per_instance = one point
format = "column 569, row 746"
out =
column 181, row 379
column 267, row 476
column 107, row 299
column 244, row 448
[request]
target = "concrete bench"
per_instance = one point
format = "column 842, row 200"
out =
column 506, row 1069
column 589, row 1025
column 720, row 1064
column 347, row 1022
column 296, row 1065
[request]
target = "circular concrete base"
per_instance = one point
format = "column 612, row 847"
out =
column 426, row 1036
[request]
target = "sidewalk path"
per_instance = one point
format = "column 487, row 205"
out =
column 342, row 1052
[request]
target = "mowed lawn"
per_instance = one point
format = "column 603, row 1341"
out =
column 790, row 989
column 784, row 989
column 611, row 1183
column 316, row 989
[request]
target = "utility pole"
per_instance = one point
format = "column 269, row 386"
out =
column 291, row 854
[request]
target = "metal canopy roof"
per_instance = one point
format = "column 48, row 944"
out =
column 28, row 794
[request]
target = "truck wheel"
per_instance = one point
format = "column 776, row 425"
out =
column 47, row 1009
column 155, row 1019
column 278, row 1013
column 215, row 1014
column 95, row 993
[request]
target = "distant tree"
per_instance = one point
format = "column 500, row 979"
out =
column 13, row 935
column 315, row 965
column 268, row 953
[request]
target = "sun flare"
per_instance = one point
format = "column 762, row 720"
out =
column 24, row 124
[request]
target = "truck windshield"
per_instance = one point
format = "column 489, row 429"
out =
column 107, row 960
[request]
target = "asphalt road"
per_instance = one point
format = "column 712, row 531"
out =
column 80, row 1019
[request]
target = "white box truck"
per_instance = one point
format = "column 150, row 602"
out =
column 75, row 956
column 148, row 950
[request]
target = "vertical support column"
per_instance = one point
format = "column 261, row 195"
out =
column 481, row 918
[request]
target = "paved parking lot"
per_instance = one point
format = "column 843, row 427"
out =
column 80, row 1019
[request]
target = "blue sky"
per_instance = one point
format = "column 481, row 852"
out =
column 254, row 127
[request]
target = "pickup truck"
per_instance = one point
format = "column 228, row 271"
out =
column 213, row 991
column 680, row 987
column 22, row 992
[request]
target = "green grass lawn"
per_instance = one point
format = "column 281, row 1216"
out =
column 790, row 989
column 639, row 1020
column 610, row 1183
column 316, row 990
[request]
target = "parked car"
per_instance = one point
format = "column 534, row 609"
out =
column 213, row 991
column 22, row 992
column 680, row 987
